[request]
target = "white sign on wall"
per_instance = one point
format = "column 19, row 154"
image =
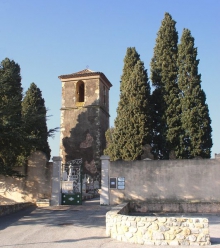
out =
column 121, row 183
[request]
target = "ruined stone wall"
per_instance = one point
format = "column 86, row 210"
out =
column 156, row 230
column 167, row 181
column 36, row 185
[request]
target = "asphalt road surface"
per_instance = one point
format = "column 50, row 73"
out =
column 70, row 226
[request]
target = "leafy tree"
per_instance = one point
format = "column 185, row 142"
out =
column 165, row 100
column 11, row 136
column 132, row 124
column 34, row 122
column 196, row 139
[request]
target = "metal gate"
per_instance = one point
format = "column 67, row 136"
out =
column 71, row 182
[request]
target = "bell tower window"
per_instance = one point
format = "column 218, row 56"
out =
column 80, row 91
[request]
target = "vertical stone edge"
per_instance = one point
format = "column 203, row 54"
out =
column 104, row 196
column 56, row 192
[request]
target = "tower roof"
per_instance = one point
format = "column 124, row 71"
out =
column 85, row 73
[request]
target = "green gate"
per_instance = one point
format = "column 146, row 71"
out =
column 71, row 182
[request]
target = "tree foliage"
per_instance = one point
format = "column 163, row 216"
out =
column 34, row 122
column 165, row 100
column 196, row 124
column 111, row 149
column 132, row 125
column 130, row 60
column 11, row 136
column 23, row 127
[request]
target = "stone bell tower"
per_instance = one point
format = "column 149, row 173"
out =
column 84, row 118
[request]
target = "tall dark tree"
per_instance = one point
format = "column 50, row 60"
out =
column 132, row 124
column 130, row 61
column 34, row 121
column 111, row 149
column 196, row 139
column 166, row 117
column 10, row 115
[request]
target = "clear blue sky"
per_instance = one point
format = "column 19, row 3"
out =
column 48, row 38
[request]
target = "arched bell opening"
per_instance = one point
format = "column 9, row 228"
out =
column 80, row 91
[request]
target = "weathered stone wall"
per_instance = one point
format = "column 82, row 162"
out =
column 171, row 181
column 83, row 124
column 36, row 185
column 156, row 230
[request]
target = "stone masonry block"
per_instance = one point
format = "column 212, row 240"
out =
column 186, row 231
column 131, row 218
column 134, row 223
column 128, row 235
column 169, row 236
column 191, row 238
column 164, row 228
column 151, row 219
column 128, row 223
column 180, row 236
column 199, row 225
column 154, row 226
column 132, row 229
column 147, row 224
column 158, row 236
column 140, row 224
column 174, row 242
column 162, row 219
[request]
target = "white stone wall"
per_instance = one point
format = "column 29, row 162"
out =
column 172, row 181
column 156, row 230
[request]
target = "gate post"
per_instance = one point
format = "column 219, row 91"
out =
column 104, row 197
column 56, row 194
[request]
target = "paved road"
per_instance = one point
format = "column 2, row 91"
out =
column 69, row 226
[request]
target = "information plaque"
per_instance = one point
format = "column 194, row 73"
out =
column 113, row 183
column 121, row 183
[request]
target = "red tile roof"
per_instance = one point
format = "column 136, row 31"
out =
column 83, row 73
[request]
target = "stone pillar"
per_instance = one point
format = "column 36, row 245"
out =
column 217, row 156
column 56, row 191
column 104, row 197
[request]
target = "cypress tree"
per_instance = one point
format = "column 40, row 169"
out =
column 132, row 124
column 165, row 100
column 130, row 61
column 196, row 123
column 10, row 115
column 34, row 121
column 111, row 150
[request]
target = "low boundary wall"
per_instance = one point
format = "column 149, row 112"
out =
column 192, row 180
column 35, row 184
column 7, row 209
column 156, row 230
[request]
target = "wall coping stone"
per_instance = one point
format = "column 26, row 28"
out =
column 11, row 208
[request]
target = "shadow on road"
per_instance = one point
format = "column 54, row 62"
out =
column 90, row 214
column 10, row 219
